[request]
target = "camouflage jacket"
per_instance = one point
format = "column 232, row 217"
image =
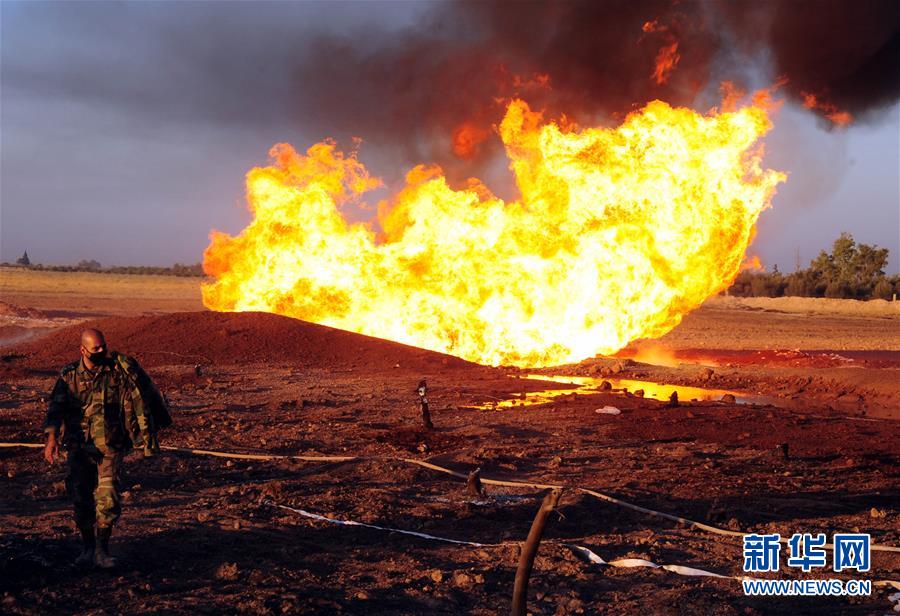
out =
column 104, row 409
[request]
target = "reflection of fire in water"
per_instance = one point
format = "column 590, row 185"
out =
column 591, row 385
column 618, row 233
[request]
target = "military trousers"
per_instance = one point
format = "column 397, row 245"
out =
column 93, row 486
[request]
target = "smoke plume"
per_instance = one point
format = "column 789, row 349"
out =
column 438, row 88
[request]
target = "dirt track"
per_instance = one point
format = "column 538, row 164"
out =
column 199, row 534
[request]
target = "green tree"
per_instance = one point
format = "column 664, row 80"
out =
column 802, row 283
column 86, row 264
column 851, row 269
column 884, row 289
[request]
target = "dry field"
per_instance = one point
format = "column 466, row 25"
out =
column 721, row 323
column 203, row 534
column 80, row 294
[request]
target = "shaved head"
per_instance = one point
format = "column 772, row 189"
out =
column 91, row 338
column 93, row 347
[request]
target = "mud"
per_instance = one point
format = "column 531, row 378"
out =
column 199, row 534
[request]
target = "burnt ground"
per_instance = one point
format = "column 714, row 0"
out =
column 200, row 535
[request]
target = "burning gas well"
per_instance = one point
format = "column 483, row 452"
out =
column 616, row 235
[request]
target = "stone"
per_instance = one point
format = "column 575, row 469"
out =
column 227, row 571
column 461, row 579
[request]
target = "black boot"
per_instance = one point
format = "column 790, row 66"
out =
column 101, row 555
column 86, row 558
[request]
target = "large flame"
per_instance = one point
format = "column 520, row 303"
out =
column 618, row 233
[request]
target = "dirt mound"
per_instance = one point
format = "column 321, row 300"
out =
column 20, row 312
column 791, row 358
column 229, row 338
column 810, row 305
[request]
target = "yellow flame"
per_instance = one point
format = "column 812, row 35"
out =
column 618, row 233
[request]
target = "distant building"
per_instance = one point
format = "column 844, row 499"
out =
column 23, row 260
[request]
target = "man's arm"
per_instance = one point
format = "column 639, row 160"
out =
column 61, row 404
column 158, row 407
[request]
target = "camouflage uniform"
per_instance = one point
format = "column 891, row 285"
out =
column 99, row 415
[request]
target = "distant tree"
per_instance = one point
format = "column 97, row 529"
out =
column 838, row 289
column 802, row 283
column 850, row 270
column 884, row 289
column 767, row 284
column 23, row 260
column 86, row 264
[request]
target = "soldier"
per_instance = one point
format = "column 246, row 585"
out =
column 101, row 406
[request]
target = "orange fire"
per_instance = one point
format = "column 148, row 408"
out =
column 837, row 117
column 467, row 138
column 667, row 57
column 752, row 263
column 666, row 61
column 617, row 234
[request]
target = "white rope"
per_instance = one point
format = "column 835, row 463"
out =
column 588, row 555
column 322, row 518
column 485, row 480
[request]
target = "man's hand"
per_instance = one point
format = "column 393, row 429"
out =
column 51, row 450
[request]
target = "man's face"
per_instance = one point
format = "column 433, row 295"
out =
column 93, row 348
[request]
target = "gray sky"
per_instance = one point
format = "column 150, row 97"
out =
column 126, row 130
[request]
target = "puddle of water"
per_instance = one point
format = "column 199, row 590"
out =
column 591, row 385
column 652, row 389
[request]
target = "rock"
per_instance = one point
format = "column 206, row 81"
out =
column 362, row 595
column 227, row 571
column 617, row 367
column 639, row 393
column 436, row 576
column 728, row 399
column 706, row 374
column 878, row 513
column 608, row 410
column 605, row 386
column 462, row 580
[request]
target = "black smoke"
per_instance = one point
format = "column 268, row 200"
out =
column 333, row 69
column 594, row 60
